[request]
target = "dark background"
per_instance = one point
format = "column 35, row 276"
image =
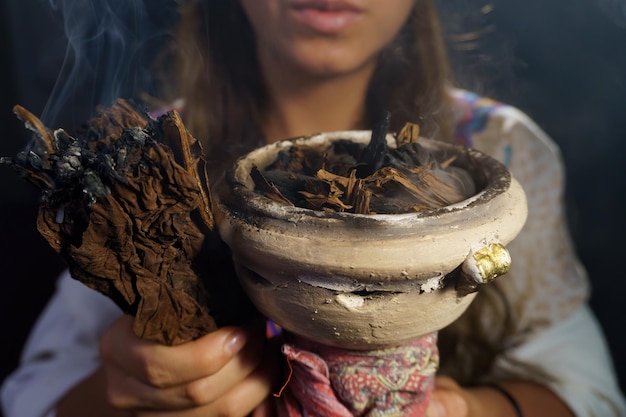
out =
column 561, row 61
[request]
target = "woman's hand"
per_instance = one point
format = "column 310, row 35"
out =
column 224, row 373
column 451, row 400
column 448, row 399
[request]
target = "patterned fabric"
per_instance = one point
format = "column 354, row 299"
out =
column 472, row 114
column 272, row 329
column 336, row 382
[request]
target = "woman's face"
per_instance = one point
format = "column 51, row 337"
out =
column 325, row 37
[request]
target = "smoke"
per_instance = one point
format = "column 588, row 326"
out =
column 110, row 49
column 615, row 10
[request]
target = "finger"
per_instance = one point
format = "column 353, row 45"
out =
column 240, row 401
column 447, row 404
column 266, row 409
column 164, row 366
column 255, row 390
column 447, row 400
column 127, row 392
column 444, row 382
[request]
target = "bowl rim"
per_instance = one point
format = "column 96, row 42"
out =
column 498, row 180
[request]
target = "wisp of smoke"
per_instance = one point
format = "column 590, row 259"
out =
column 110, row 46
column 615, row 9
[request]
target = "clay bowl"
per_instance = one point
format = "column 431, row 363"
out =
column 362, row 281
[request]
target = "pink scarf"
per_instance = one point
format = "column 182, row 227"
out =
column 331, row 382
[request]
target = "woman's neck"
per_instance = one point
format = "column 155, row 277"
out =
column 301, row 104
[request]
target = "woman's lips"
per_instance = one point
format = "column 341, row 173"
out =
column 325, row 16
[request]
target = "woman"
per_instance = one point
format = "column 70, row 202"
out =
column 257, row 71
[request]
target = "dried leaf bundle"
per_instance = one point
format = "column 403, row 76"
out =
column 124, row 214
column 354, row 178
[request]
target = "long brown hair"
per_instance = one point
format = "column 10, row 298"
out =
column 220, row 80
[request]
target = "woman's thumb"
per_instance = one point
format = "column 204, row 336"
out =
column 447, row 404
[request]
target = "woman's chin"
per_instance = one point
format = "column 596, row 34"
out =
column 332, row 65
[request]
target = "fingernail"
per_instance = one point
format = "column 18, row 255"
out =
column 435, row 409
column 235, row 342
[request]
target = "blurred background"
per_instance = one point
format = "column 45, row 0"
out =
column 561, row 61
